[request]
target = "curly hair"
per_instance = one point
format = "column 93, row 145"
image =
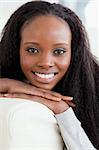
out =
column 82, row 78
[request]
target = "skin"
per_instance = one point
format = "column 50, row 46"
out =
column 45, row 48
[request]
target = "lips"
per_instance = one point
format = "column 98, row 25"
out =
column 44, row 77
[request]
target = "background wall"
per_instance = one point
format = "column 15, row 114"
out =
column 87, row 10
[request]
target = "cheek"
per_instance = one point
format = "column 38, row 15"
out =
column 25, row 63
column 64, row 67
column 64, row 64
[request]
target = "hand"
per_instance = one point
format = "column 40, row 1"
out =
column 15, row 86
column 18, row 89
column 56, row 106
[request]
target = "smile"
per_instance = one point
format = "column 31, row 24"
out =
column 44, row 76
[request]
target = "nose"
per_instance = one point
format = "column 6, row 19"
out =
column 45, row 62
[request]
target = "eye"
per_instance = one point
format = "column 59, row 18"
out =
column 59, row 51
column 32, row 50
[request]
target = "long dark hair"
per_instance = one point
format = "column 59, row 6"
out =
column 82, row 79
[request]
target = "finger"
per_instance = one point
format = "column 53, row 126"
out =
column 58, row 95
column 49, row 96
column 23, row 96
column 67, row 98
column 31, row 90
column 25, row 88
column 71, row 104
column 18, row 95
column 43, row 93
column 52, row 92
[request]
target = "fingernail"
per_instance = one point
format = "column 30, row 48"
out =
column 6, row 95
column 70, row 98
column 57, row 98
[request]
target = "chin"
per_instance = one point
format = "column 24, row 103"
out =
column 45, row 87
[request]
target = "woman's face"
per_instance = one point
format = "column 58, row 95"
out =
column 45, row 51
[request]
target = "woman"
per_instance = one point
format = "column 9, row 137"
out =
column 46, row 47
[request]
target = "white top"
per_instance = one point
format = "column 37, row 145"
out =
column 72, row 132
column 28, row 125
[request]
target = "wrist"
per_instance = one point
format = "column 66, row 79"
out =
column 61, row 110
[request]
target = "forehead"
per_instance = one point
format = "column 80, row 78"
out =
column 44, row 25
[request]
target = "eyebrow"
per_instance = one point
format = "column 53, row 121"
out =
column 31, row 43
column 56, row 44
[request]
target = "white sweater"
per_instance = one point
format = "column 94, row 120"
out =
column 27, row 125
column 72, row 132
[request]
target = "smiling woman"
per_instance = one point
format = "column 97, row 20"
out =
column 45, row 57
column 44, row 61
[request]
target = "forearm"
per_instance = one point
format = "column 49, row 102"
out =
column 72, row 132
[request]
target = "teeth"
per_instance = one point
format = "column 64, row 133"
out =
column 46, row 76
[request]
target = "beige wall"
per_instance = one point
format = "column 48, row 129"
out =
column 7, row 7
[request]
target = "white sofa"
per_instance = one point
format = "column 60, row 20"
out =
column 27, row 125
